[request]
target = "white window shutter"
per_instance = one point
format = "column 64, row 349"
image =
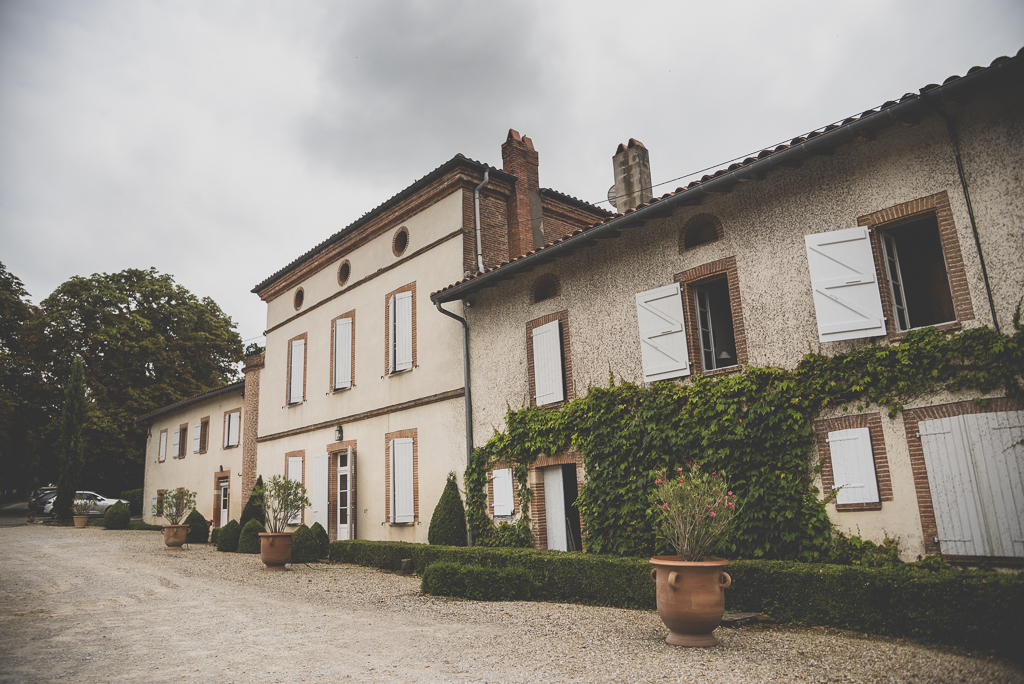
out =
column 403, row 505
column 391, row 335
column 663, row 348
column 343, row 353
column 501, row 482
column 548, row 377
column 196, row 433
column 318, row 486
column 403, row 331
column 153, row 509
column 853, row 466
column 295, row 374
column 295, row 474
column 177, row 437
column 231, row 425
column 844, row 284
column 162, row 453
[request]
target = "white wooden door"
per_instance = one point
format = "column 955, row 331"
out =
column 318, row 487
column 975, row 469
column 554, row 508
column 344, row 494
column 295, row 473
column 224, row 488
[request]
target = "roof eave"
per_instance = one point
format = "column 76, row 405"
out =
column 152, row 415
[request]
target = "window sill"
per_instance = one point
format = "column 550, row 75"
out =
column 726, row 370
column 900, row 334
column 336, row 390
column 404, row 524
column 853, row 507
column 231, row 446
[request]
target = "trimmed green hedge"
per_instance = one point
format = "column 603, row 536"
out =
column 477, row 583
column 966, row 608
column 134, row 499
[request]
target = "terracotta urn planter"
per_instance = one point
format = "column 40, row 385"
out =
column 691, row 598
column 174, row 536
column 81, row 520
column 275, row 549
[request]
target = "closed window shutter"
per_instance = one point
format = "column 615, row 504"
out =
column 162, row 453
column 153, row 509
column 504, row 502
column 295, row 374
column 197, row 432
column 177, row 436
column 853, row 466
column 343, row 353
column 403, row 505
column 403, row 331
column 233, row 425
column 295, row 474
column 548, row 377
column 845, row 288
column 318, row 487
column 663, row 348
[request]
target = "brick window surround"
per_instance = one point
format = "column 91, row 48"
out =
column 182, row 440
column 873, row 422
column 562, row 316
column 911, row 420
column 301, row 453
column 224, row 422
column 701, row 274
column 700, row 222
column 335, row 449
column 937, row 205
column 204, row 434
column 538, row 519
column 159, row 502
column 330, row 378
column 344, row 272
column 490, row 491
column 411, row 287
column 288, row 375
column 298, row 298
column 400, row 241
column 217, row 477
column 411, row 434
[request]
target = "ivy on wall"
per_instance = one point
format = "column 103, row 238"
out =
column 756, row 426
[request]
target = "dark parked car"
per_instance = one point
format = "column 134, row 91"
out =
column 98, row 504
column 40, row 498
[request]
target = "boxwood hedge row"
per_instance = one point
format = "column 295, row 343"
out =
column 972, row 609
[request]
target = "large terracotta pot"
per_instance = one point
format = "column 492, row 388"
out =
column 81, row 520
column 691, row 598
column 174, row 536
column 275, row 549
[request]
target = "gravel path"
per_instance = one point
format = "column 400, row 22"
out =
column 102, row 606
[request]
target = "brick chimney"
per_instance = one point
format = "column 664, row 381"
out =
column 632, row 167
column 525, row 217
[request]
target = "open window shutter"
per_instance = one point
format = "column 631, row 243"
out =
column 547, row 363
column 298, row 362
column 177, row 436
column 663, row 348
column 343, row 353
column 318, row 486
column 403, row 331
column 501, row 481
column 353, row 506
column 197, row 432
column 402, row 501
column 153, row 509
column 391, row 335
column 295, row 474
column 227, row 429
column 853, row 466
column 233, row 426
column 846, row 295
column 162, row 453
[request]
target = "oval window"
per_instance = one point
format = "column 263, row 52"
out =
column 344, row 271
column 401, row 241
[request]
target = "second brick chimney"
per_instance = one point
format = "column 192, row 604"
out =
column 525, row 216
column 632, row 166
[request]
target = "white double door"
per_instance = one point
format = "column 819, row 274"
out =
column 559, row 520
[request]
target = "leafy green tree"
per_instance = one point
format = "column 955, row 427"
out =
column 72, row 447
column 146, row 342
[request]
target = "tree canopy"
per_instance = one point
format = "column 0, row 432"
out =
column 145, row 342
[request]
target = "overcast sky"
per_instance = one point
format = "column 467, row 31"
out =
column 217, row 141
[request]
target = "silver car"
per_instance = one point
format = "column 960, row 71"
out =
column 98, row 505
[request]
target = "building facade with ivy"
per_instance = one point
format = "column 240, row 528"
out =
column 868, row 272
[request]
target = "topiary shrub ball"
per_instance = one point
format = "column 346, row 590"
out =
column 227, row 540
column 198, row 528
column 448, row 524
column 304, row 546
column 322, row 539
column 117, row 517
column 254, row 506
column 215, row 535
column 249, row 539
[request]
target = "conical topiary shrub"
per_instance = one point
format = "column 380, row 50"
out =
column 304, row 546
column 117, row 517
column 198, row 528
column 227, row 540
column 448, row 524
column 254, row 506
column 249, row 539
column 323, row 541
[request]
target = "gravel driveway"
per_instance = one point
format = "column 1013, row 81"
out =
column 91, row 605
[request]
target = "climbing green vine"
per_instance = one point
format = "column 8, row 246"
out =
column 756, row 426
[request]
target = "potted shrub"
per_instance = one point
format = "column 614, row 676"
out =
column 282, row 500
column 173, row 506
column 697, row 510
column 80, row 510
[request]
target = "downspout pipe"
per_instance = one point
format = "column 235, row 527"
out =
column 465, row 379
column 479, row 247
column 955, row 139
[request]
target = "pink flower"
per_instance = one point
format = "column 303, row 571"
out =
column 664, row 507
column 679, row 470
column 712, row 514
column 730, row 493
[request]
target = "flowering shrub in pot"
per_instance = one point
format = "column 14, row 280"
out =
column 697, row 510
column 173, row 506
column 282, row 500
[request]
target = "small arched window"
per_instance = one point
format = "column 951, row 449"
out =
column 700, row 230
column 545, row 287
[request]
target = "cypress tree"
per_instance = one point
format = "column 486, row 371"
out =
column 254, row 506
column 448, row 524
